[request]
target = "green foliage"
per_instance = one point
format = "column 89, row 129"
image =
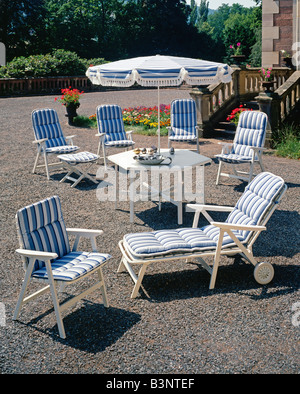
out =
column 58, row 63
column 286, row 141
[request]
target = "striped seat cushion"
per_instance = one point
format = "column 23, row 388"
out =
column 251, row 209
column 46, row 125
column 183, row 120
column 62, row 149
column 250, row 132
column 73, row 265
column 81, row 157
column 119, row 143
column 234, row 158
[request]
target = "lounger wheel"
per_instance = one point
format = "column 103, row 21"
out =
column 263, row 273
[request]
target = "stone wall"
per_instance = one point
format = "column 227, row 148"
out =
column 280, row 30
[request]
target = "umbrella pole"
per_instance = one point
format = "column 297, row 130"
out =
column 158, row 119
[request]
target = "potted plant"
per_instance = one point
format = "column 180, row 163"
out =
column 234, row 116
column 237, row 55
column 70, row 99
column 287, row 58
column 267, row 78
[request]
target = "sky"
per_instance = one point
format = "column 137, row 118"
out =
column 215, row 4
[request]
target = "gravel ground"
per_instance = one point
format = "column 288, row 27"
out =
column 179, row 326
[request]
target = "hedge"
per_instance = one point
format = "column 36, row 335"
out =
column 58, row 63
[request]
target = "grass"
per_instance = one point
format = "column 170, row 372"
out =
column 287, row 141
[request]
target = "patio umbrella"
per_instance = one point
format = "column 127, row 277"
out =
column 159, row 71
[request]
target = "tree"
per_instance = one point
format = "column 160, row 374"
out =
column 21, row 22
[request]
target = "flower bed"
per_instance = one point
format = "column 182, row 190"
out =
column 147, row 117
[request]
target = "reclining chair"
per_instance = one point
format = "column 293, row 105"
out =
column 183, row 122
column 47, row 257
column 49, row 138
column 235, row 236
column 247, row 146
column 111, row 131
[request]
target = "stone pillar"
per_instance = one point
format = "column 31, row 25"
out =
column 202, row 97
column 270, row 104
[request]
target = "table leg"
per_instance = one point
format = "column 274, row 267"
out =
column 131, row 194
column 116, row 185
column 180, row 196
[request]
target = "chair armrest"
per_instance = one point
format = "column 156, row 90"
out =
column 257, row 148
column 79, row 232
column 99, row 134
column 204, row 207
column 128, row 133
column 84, row 232
column 225, row 146
column 40, row 141
column 231, row 226
column 37, row 254
column 69, row 137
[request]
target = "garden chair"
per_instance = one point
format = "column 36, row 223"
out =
column 247, row 146
column 47, row 256
column 49, row 137
column 234, row 236
column 111, row 129
column 183, row 122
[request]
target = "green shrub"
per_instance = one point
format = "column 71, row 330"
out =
column 286, row 141
column 58, row 63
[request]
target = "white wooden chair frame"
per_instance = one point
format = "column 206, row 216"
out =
column 71, row 168
column 263, row 272
column 237, row 174
column 42, row 150
column 33, row 255
column 104, row 148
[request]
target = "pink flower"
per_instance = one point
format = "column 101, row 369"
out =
column 231, row 47
column 238, row 44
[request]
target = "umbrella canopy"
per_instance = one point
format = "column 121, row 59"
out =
column 159, row 71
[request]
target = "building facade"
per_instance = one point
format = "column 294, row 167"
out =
column 280, row 31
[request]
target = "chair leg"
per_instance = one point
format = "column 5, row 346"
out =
column 103, row 288
column 139, row 281
column 104, row 156
column 56, row 305
column 36, row 160
column 219, row 172
column 24, row 288
column 260, row 163
column 46, row 165
column 216, row 261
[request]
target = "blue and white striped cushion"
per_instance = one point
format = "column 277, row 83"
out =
column 259, row 196
column 119, row 143
column 81, row 157
column 73, row 265
column 110, row 122
column 46, row 125
column 41, row 227
column 183, row 120
column 251, row 131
